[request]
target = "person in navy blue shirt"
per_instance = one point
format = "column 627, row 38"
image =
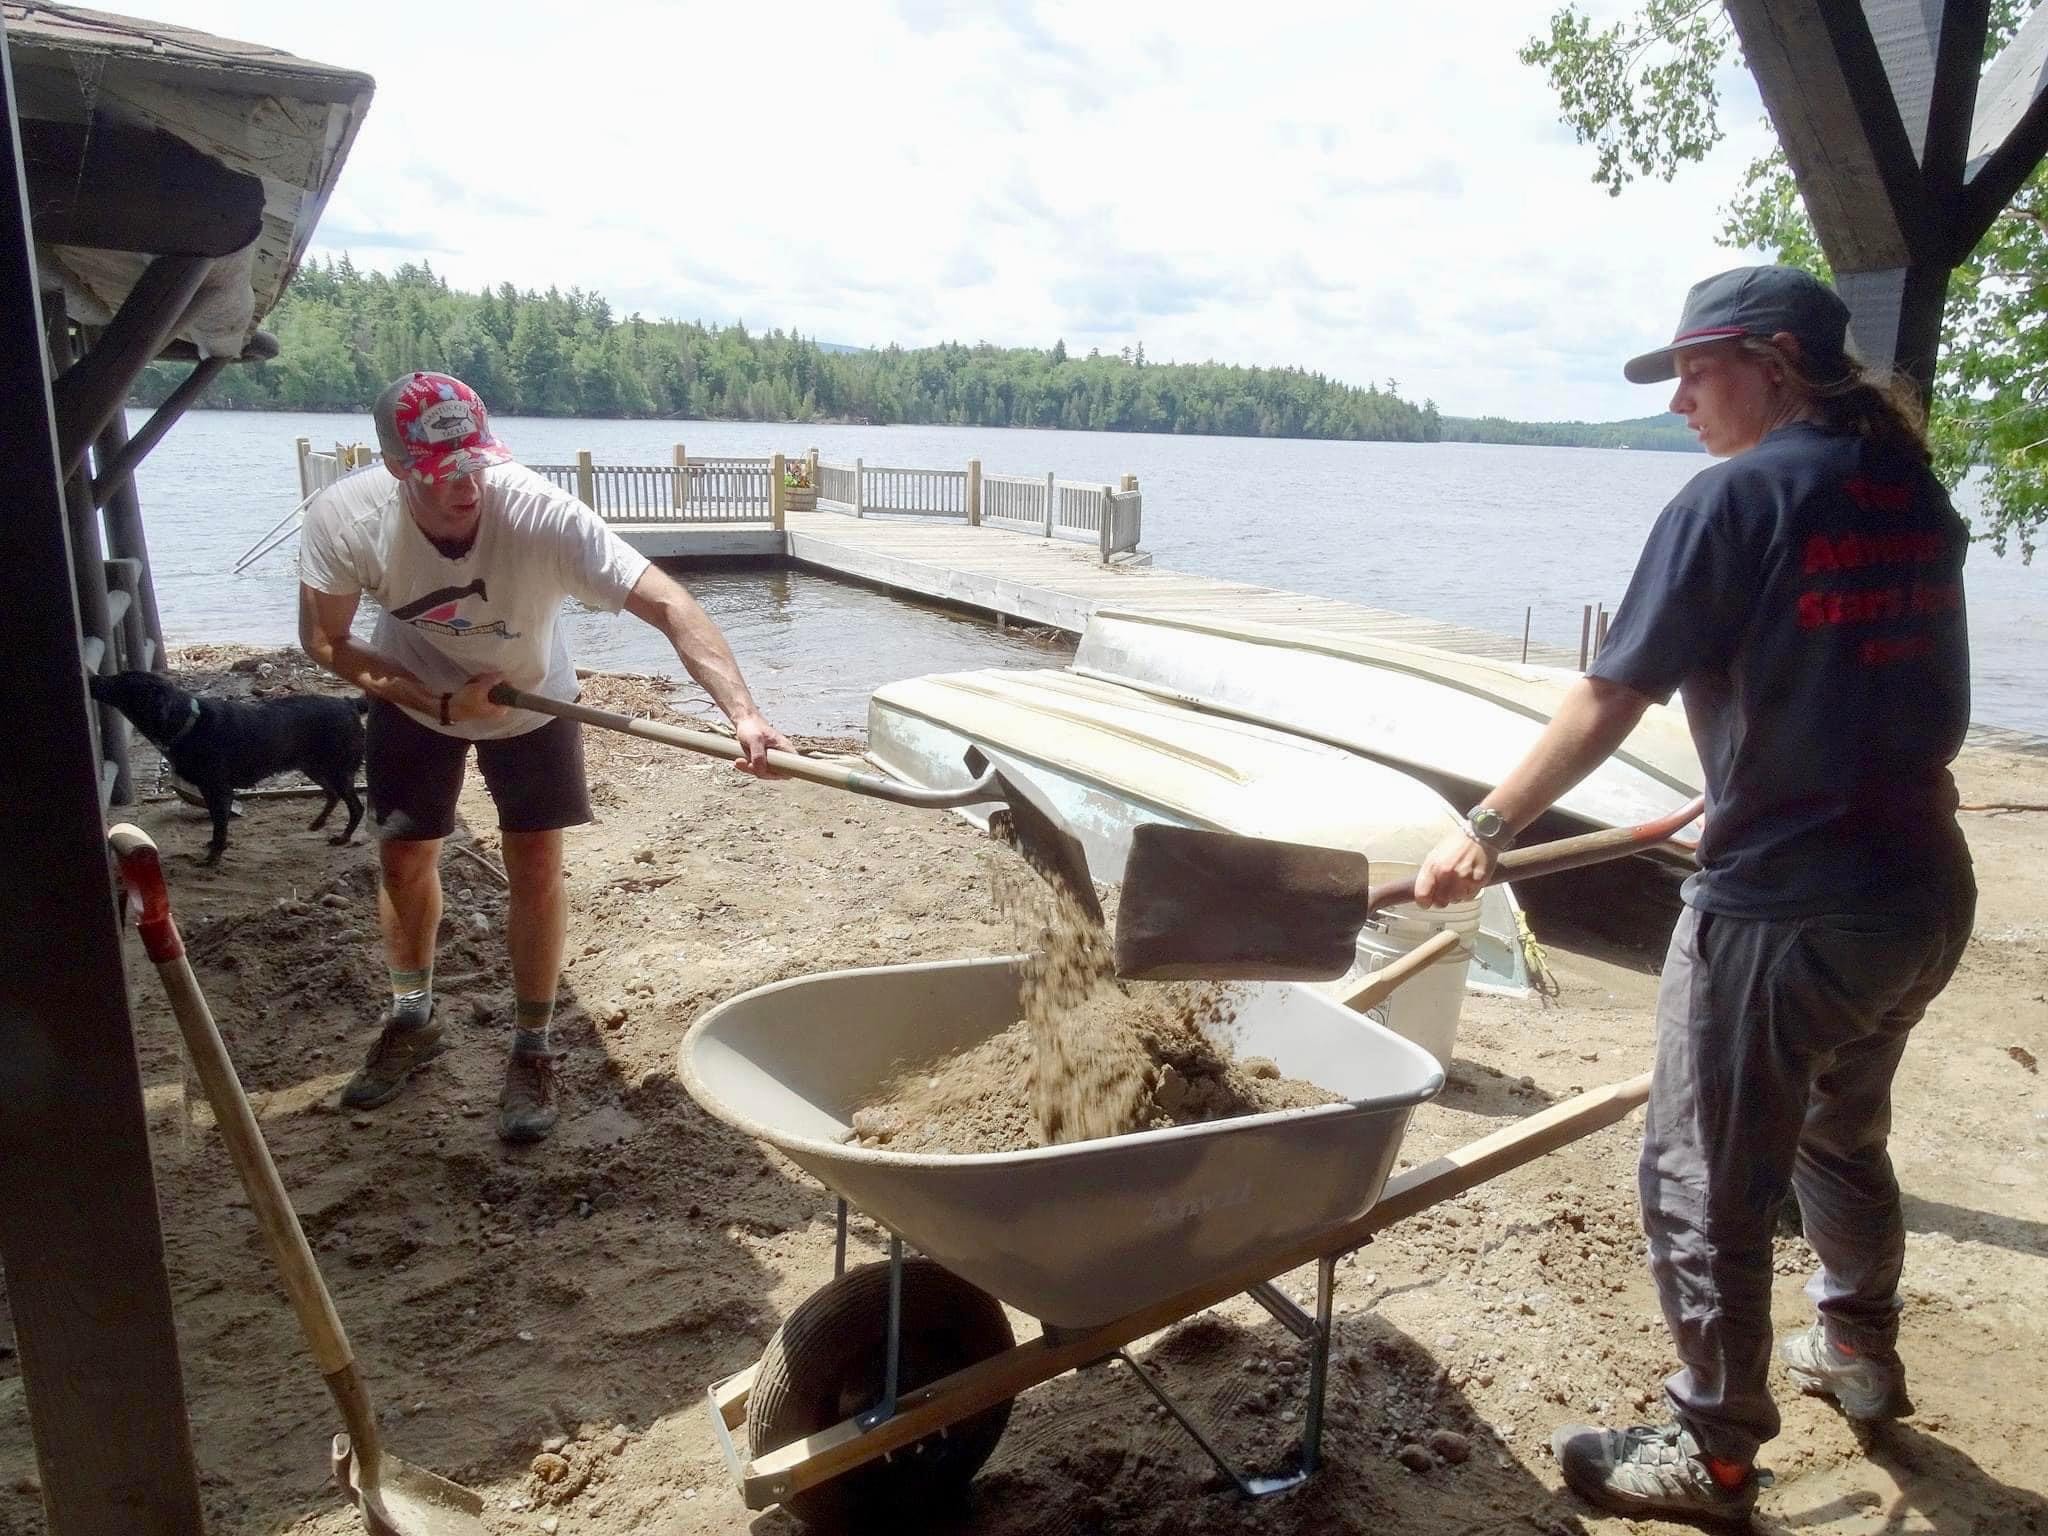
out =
column 1805, row 598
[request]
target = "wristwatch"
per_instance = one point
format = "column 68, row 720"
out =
column 1489, row 829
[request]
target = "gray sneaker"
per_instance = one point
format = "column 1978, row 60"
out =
column 1648, row 1471
column 402, row 1048
column 1867, row 1386
column 527, row 1109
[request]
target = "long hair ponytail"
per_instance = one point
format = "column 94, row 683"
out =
column 1880, row 404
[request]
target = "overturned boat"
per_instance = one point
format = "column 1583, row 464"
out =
column 1458, row 722
column 1110, row 759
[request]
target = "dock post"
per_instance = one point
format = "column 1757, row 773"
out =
column 1130, row 483
column 1102, row 531
column 304, row 448
column 974, row 493
column 679, row 493
column 776, row 495
column 811, row 466
column 1585, row 635
column 859, row 489
column 1527, row 610
column 1051, row 503
column 1600, row 630
column 586, row 479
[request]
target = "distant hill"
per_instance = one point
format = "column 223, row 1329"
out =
column 1665, row 431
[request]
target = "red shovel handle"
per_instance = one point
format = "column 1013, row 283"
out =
column 143, row 874
column 1563, row 853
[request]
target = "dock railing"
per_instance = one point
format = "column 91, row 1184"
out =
column 1109, row 518
column 729, row 490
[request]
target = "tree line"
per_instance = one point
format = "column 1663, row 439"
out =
column 344, row 333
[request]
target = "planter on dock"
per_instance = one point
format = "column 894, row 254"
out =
column 800, row 498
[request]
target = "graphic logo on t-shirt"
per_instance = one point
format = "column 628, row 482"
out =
column 440, row 610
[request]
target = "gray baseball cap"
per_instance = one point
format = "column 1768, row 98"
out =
column 1754, row 301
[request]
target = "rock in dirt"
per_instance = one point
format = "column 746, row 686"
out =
column 1415, row 1458
column 549, row 1468
column 1450, row 1447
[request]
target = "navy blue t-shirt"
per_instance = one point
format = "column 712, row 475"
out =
column 1807, row 599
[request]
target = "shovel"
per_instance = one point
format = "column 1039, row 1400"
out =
column 395, row 1498
column 1027, row 822
column 1222, row 907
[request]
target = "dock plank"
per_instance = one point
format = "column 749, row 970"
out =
column 1058, row 583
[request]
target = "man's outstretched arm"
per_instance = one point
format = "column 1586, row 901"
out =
column 660, row 600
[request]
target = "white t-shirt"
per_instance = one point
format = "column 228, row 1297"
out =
column 493, row 610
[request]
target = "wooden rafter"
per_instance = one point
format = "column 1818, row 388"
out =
column 117, row 188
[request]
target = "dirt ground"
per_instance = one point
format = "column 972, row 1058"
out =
column 575, row 1298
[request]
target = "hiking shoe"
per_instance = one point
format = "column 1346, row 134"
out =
column 1648, row 1471
column 527, row 1110
column 402, row 1048
column 1866, row 1386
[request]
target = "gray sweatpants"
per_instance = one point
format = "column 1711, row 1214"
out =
column 1776, row 1045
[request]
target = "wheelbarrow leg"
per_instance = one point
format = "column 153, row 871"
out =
column 886, row 1408
column 1317, row 1331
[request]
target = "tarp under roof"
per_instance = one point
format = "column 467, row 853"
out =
column 111, row 108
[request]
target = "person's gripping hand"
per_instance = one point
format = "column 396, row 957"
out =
column 472, row 700
column 1455, row 871
column 757, row 739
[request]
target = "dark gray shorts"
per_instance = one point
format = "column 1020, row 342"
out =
column 414, row 775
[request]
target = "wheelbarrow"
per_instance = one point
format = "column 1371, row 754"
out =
column 891, row 1385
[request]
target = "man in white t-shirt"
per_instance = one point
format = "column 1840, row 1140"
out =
column 470, row 557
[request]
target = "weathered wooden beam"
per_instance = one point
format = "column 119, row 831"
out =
column 2010, row 133
column 260, row 348
column 117, row 468
column 115, row 187
column 1824, row 84
column 79, row 1234
column 94, row 387
column 1895, row 317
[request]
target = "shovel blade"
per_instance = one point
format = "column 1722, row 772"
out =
column 1217, row 906
column 1036, row 830
column 405, row 1500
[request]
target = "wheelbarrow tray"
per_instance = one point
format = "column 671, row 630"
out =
column 1079, row 1234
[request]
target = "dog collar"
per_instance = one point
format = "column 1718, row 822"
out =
column 186, row 729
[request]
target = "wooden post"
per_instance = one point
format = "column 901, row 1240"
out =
column 1585, row 635
column 586, row 479
column 1527, row 611
column 776, row 508
column 304, row 447
column 1600, row 630
column 1052, row 504
column 859, row 490
column 811, row 467
column 80, row 1234
column 1130, row 483
column 679, row 492
column 1108, row 516
column 974, row 493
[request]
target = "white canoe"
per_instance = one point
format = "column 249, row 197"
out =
column 1112, row 758
column 1461, row 721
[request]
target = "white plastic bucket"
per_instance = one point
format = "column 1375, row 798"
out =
column 1424, row 1008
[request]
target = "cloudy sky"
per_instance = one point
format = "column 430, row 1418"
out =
column 1374, row 190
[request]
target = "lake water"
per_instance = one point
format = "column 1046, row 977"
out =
column 1465, row 532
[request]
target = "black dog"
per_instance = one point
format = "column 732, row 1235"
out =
column 219, row 747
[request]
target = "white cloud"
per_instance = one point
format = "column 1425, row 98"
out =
column 1368, row 191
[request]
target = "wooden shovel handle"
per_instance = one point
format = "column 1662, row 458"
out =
column 1376, row 987
column 811, row 769
column 142, row 873
column 1563, row 853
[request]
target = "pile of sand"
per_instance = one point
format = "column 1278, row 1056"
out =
column 1092, row 1056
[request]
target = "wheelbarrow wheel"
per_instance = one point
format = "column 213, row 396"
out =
column 827, row 1362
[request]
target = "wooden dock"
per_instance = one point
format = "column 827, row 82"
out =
column 1034, row 580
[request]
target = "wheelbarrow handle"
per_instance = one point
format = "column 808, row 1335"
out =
column 1563, row 853
column 143, row 876
column 814, row 770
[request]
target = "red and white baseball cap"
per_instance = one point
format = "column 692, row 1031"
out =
column 437, row 427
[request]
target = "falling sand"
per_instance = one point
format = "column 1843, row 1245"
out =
column 1092, row 1056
